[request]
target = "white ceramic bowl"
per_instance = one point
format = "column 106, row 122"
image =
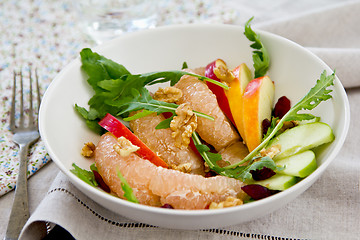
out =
column 293, row 69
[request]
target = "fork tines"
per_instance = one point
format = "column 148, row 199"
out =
column 31, row 122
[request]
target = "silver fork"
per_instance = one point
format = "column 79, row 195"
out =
column 24, row 136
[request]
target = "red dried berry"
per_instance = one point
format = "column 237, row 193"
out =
column 257, row 191
column 210, row 174
column 282, row 106
column 101, row 182
column 167, row 206
column 262, row 174
column 265, row 125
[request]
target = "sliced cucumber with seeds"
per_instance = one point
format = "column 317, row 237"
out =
column 278, row 182
column 302, row 138
column 299, row 165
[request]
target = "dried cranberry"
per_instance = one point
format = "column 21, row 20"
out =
column 166, row 205
column 210, row 174
column 167, row 114
column 101, row 182
column 257, row 191
column 265, row 125
column 282, row 106
column 262, row 174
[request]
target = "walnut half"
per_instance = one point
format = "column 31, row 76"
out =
column 222, row 72
column 271, row 152
column 183, row 167
column 229, row 202
column 125, row 147
column 168, row 94
column 88, row 150
column 183, row 125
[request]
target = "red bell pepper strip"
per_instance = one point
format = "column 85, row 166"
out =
column 114, row 126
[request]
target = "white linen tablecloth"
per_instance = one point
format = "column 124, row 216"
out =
column 46, row 34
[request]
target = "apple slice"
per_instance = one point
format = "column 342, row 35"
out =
column 235, row 93
column 210, row 72
column 298, row 165
column 301, row 138
column 278, row 182
column 258, row 101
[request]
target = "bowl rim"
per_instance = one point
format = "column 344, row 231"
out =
column 179, row 212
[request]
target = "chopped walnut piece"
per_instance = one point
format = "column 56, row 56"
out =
column 270, row 152
column 288, row 124
column 183, row 167
column 168, row 94
column 206, row 167
column 229, row 202
column 125, row 147
column 183, row 125
column 223, row 73
column 88, row 150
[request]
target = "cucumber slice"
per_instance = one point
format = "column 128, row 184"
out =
column 298, row 165
column 301, row 138
column 278, row 182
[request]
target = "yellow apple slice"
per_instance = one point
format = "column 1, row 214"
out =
column 234, row 95
column 258, row 101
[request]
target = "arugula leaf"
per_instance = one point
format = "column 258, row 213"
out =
column 91, row 118
column 93, row 167
column 209, row 158
column 128, row 192
column 173, row 77
column 271, row 128
column 165, row 123
column 116, row 90
column 143, row 100
column 86, row 176
column 260, row 55
column 99, row 68
column 313, row 98
column 138, row 115
column 258, row 165
column 184, row 66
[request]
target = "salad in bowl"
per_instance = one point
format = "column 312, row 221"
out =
column 213, row 138
column 194, row 126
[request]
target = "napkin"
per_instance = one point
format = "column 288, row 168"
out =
column 327, row 210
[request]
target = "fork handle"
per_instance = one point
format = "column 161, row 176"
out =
column 20, row 209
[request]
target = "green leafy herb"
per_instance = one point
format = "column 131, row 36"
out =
column 173, row 77
column 138, row 115
column 117, row 90
column 165, row 124
column 128, row 192
column 86, row 176
column 238, row 172
column 143, row 100
column 209, row 157
column 258, row 165
column 91, row 117
column 93, row 167
column 99, row 68
column 184, row 66
column 260, row 56
column 317, row 94
column 272, row 126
